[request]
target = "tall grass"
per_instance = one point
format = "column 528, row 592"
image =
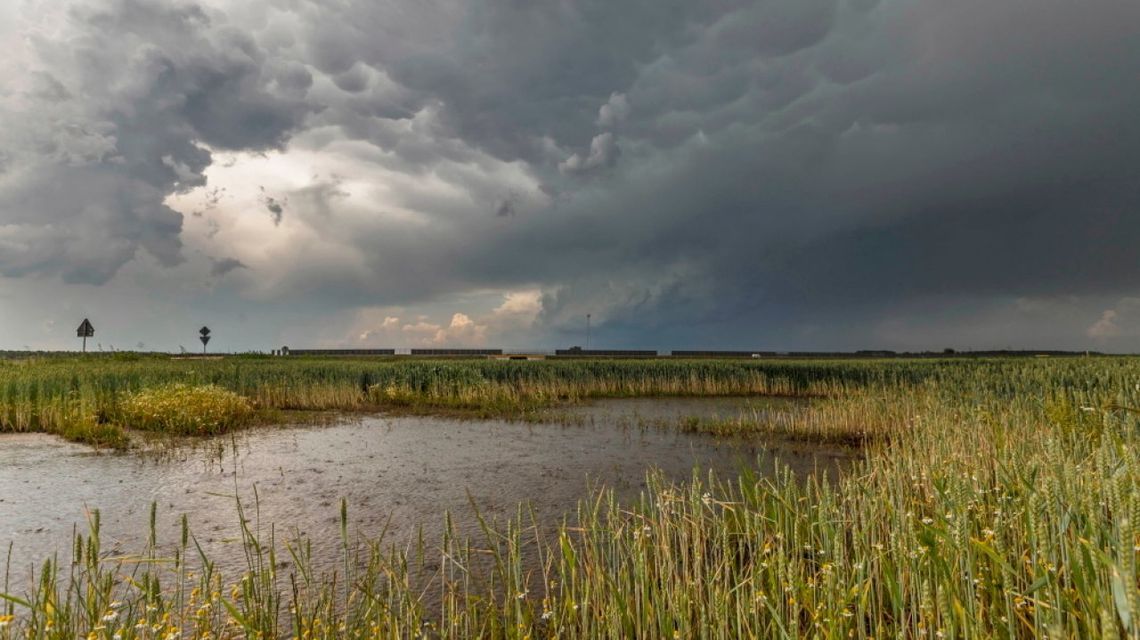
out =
column 80, row 398
column 1004, row 503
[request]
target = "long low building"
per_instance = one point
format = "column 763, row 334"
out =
column 457, row 352
column 618, row 353
column 722, row 354
column 337, row 352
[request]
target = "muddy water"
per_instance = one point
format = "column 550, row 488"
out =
column 403, row 472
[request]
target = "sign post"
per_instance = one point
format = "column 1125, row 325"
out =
column 85, row 331
column 204, row 336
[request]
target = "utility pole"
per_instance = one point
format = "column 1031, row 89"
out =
column 587, row 332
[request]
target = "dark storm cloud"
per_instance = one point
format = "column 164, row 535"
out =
column 505, row 208
column 508, row 72
column 221, row 267
column 874, row 156
column 275, row 206
column 118, row 114
column 685, row 171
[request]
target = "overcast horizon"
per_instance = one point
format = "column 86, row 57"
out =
column 784, row 175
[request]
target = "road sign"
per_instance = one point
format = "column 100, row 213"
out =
column 204, row 336
column 85, row 331
column 204, row 331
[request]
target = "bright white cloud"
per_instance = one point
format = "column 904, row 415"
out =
column 1121, row 321
column 509, row 323
column 1106, row 326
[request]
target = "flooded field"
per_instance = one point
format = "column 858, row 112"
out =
column 402, row 473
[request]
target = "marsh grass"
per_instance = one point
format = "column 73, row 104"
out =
column 858, row 419
column 1002, row 502
column 94, row 399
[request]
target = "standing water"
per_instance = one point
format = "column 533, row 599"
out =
column 398, row 474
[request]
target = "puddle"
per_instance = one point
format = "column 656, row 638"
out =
column 404, row 472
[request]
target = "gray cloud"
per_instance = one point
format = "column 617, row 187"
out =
column 275, row 206
column 613, row 111
column 120, row 116
column 505, row 208
column 221, row 267
column 856, row 155
column 811, row 172
column 604, row 152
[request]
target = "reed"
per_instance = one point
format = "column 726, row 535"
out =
column 84, row 398
column 1004, row 502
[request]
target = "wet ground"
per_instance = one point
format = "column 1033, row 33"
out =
column 405, row 472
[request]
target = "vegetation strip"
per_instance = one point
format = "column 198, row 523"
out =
column 998, row 498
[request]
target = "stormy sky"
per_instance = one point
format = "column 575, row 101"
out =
column 764, row 174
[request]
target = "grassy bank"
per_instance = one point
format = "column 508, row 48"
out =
column 92, row 399
column 1002, row 502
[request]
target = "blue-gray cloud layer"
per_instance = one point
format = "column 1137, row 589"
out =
column 717, row 172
